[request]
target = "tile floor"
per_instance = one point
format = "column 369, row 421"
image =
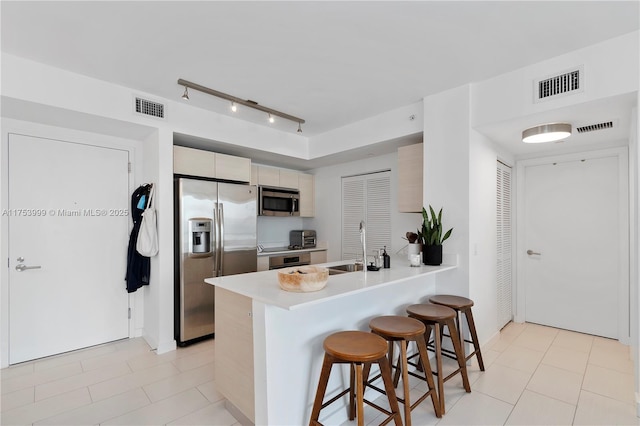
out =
column 534, row 375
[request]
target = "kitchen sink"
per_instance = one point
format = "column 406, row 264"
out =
column 343, row 269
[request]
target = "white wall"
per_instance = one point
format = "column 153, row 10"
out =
column 39, row 130
column 328, row 219
column 610, row 68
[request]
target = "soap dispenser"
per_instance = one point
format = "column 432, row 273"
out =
column 386, row 258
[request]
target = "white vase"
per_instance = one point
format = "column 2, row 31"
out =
column 414, row 248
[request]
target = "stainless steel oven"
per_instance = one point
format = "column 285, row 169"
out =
column 278, row 202
column 286, row 260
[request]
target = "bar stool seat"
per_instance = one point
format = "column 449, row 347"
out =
column 404, row 330
column 439, row 316
column 357, row 348
column 462, row 305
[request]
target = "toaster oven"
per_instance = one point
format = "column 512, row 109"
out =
column 302, row 238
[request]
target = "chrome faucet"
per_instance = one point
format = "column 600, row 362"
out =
column 363, row 240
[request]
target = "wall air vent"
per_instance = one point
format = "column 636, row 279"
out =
column 146, row 107
column 594, row 127
column 569, row 82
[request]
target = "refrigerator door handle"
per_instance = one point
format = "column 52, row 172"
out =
column 214, row 242
column 221, row 240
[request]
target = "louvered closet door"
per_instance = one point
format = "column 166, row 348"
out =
column 366, row 197
column 504, row 255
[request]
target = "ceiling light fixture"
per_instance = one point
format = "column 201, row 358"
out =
column 299, row 127
column 547, row 133
column 234, row 107
column 235, row 100
column 185, row 95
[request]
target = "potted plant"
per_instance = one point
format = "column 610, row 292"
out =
column 414, row 244
column 431, row 236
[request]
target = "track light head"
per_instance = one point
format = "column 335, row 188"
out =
column 271, row 119
column 185, row 95
column 299, row 127
column 234, row 107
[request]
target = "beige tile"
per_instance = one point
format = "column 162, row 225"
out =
column 195, row 360
column 503, row 383
column 596, row 409
column 126, row 350
column 49, row 407
column 40, row 377
column 610, row 383
column 520, row 358
column 151, row 359
column 77, row 381
column 17, row 399
column 567, row 359
column 536, row 409
column 556, row 383
column 513, row 329
column 178, row 383
column 210, row 392
column 573, row 340
column 477, row 409
column 617, row 359
column 79, row 355
column 488, row 357
column 127, row 382
column 16, row 371
column 536, row 337
column 100, row 411
column 610, row 344
column 213, row 414
column 164, row 411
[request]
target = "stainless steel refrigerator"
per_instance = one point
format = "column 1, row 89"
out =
column 215, row 226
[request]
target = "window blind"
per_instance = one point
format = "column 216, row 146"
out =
column 366, row 197
column 504, row 248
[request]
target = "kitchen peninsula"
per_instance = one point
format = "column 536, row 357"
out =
column 269, row 341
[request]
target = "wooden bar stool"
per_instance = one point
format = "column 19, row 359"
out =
column 356, row 348
column 404, row 330
column 462, row 305
column 438, row 316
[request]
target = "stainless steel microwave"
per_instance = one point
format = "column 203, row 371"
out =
column 278, row 201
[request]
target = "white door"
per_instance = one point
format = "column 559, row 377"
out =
column 68, row 216
column 572, row 238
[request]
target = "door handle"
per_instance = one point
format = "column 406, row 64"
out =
column 530, row 252
column 21, row 267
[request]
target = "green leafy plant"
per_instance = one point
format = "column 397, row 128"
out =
column 431, row 232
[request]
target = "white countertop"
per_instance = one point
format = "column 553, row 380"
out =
column 264, row 287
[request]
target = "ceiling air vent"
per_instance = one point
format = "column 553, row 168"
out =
column 594, row 127
column 146, row 107
column 563, row 84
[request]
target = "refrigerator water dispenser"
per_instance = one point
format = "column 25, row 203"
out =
column 200, row 232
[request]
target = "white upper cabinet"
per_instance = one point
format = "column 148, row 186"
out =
column 410, row 160
column 196, row 162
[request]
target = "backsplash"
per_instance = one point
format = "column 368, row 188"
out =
column 274, row 231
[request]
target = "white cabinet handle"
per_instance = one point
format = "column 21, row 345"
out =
column 530, row 252
column 21, row 267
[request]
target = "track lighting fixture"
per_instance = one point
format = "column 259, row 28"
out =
column 235, row 101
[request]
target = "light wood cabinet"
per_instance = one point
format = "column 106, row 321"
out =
column 263, row 263
column 288, row 179
column 318, row 257
column 196, row 162
column 234, row 350
column 230, row 167
column 307, row 195
column 410, row 163
column 268, row 176
column 254, row 175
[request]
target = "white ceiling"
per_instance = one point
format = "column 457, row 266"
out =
column 331, row 63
